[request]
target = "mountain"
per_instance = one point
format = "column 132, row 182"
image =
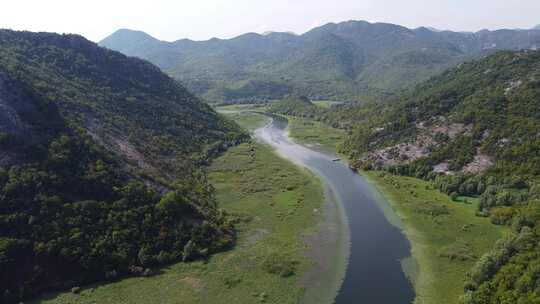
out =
column 98, row 166
column 335, row 61
column 536, row 27
column 126, row 104
column 477, row 107
column 127, row 41
column 472, row 131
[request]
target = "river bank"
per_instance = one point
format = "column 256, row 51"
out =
column 314, row 134
column 327, row 245
column 274, row 202
column 446, row 236
column 376, row 246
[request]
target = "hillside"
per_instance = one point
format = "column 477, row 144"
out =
column 90, row 142
column 126, row 104
column 473, row 132
column 492, row 101
column 293, row 105
column 335, row 61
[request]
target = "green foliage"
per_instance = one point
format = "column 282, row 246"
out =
column 296, row 106
column 126, row 103
column 238, row 275
column 507, row 274
column 498, row 98
column 446, row 236
column 280, row 264
column 349, row 60
column 75, row 210
column 460, row 250
column 98, row 175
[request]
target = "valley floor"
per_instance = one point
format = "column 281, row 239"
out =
column 446, row 236
column 277, row 206
column 314, row 134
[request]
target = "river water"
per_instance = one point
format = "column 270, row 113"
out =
column 374, row 274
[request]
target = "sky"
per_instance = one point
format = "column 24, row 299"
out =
column 204, row 19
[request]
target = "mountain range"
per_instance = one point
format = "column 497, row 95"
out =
column 347, row 60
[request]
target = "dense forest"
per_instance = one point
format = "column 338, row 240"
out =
column 98, row 166
column 353, row 60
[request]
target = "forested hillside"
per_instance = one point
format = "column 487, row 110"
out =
column 98, row 166
column 344, row 61
column 472, row 131
column 295, row 106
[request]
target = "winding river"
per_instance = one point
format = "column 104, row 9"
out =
column 374, row 274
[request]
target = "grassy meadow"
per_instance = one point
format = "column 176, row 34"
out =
column 315, row 134
column 249, row 120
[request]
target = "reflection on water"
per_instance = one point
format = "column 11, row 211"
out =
column 374, row 274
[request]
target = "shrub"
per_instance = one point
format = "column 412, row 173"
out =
column 280, row 264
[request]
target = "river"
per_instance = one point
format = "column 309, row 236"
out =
column 374, row 274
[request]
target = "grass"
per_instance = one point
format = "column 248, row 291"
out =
column 242, row 114
column 248, row 120
column 446, row 237
column 274, row 201
column 315, row 134
column 238, row 107
column 325, row 103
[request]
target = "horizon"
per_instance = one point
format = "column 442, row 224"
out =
column 302, row 33
column 169, row 20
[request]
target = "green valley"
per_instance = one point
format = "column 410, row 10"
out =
column 268, row 262
column 328, row 162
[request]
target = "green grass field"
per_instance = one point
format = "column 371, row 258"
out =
column 315, row 134
column 238, row 107
column 325, row 103
column 447, row 238
column 249, row 120
column 274, row 201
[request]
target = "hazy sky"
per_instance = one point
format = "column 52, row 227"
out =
column 204, row 19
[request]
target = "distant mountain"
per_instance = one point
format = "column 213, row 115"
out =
column 536, row 27
column 90, row 142
column 334, row 61
column 127, row 41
